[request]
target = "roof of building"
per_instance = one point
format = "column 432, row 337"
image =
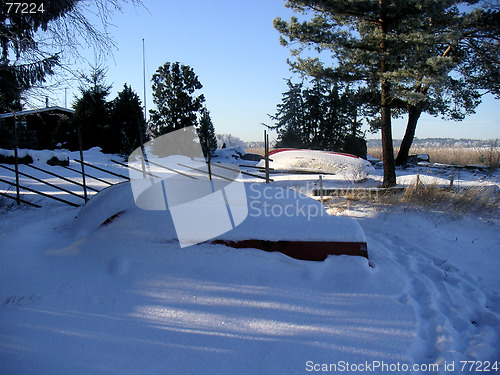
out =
column 36, row 111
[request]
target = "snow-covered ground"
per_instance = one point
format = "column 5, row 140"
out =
column 126, row 299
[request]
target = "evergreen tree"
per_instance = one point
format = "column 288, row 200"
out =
column 174, row 87
column 34, row 44
column 405, row 52
column 318, row 117
column 382, row 45
column 206, row 132
column 472, row 47
column 126, row 121
column 92, row 111
column 289, row 118
column 21, row 63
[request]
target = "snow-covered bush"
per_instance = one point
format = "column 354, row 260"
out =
column 229, row 140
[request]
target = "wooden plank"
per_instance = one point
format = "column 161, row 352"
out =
column 88, row 175
column 40, row 193
column 135, row 169
column 61, row 177
column 102, row 169
column 303, row 250
column 171, row 170
column 43, row 182
column 242, row 172
column 356, row 191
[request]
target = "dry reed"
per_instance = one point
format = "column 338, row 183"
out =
column 489, row 156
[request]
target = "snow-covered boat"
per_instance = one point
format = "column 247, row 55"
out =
column 317, row 161
column 277, row 219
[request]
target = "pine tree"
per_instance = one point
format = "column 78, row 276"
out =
column 389, row 47
column 206, row 132
column 126, row 119
column 472, row 48
column 174, row 87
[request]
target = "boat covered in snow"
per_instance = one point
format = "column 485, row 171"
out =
column 317, row 161
column 275, row 219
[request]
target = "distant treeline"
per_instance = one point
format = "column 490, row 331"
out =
column 441, row 142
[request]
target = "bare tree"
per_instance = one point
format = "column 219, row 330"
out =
column 47, row 37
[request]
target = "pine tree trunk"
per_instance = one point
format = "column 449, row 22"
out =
column 414, row 113
column 387, row 148
column 385, row 114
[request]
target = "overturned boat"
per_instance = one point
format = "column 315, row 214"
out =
column 317, row 161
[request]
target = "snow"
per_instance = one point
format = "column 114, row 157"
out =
column 78, row 297
column 40, row 156
column 228, row 154
column 230, row 141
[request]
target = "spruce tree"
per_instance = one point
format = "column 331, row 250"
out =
column 289, row 117
column 206, row 132
column 320, row 115
column 92, row 111
column 177, row 105
column 126, row 119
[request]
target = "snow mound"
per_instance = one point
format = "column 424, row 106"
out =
column 274, row 213
column 228, row 155
column 103, row 206
column 318, row 161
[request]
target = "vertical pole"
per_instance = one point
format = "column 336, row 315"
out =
column 208, row 159
column 16, row 162
column 81, row 160
column 144, row 76
column 266, row 155
column 321, row 188
column 143, row 151
column 452, row 177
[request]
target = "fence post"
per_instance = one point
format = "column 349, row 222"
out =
column 143, row 150
column 81, row 162
column 16, row 162
column 266, row 155
column 207, row 144
column 321, row 188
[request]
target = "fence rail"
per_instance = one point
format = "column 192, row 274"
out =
column 57, row 188
column 39, row 193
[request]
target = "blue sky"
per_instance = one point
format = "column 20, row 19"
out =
column 235, row 51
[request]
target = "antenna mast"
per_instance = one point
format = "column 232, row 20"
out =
column 144, row 76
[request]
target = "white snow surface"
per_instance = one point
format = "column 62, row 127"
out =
column 77, row 297
column 40, row 156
